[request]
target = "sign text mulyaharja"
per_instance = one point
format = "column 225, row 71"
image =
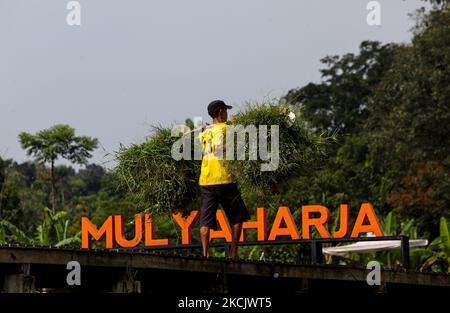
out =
column 284, row 225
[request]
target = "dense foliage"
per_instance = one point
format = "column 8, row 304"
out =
column 301, row 150
column 156, row 181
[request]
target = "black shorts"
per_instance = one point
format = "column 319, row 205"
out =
column 230, row 199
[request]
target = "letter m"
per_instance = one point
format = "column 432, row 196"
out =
column 88, row 229
column 241, row 133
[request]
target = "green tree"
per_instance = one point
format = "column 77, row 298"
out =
column 9, row 191
column 56, row 142
column 407, row 128
column 340, row 101
column 389, row 104
column 438, row 3
column 92, row 177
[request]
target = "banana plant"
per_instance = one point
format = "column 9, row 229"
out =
column 52, row 232
column 53, row 228
column 409, row 229
column 15, row 234
column 390, row 224
column 439, row 261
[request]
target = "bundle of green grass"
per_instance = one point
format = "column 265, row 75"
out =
column 158, row 183
column 301, row 149
column 155, row 181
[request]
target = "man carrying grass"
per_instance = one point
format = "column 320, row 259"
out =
column 216, row 183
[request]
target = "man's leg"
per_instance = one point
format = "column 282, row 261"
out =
column 236, row 212
column 204, row 237
column 207, row 215
column 236, row 234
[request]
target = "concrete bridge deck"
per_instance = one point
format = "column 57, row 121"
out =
column 31, row 269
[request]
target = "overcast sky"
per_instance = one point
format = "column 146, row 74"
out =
column 134, row 63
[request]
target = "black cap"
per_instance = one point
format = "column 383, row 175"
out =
column 215, row 106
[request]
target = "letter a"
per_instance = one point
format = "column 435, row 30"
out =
column 374, row 16
column 74, row 16
column 74, row 276
column 366, row 212
column 374, row 277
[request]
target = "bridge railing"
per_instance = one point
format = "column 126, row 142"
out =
column 316, row 256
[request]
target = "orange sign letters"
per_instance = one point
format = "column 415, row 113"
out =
column 312, row 216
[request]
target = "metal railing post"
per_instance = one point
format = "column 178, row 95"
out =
column 316, row 252
column 405, row 252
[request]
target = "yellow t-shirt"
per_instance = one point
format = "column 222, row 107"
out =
column 213, row 171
